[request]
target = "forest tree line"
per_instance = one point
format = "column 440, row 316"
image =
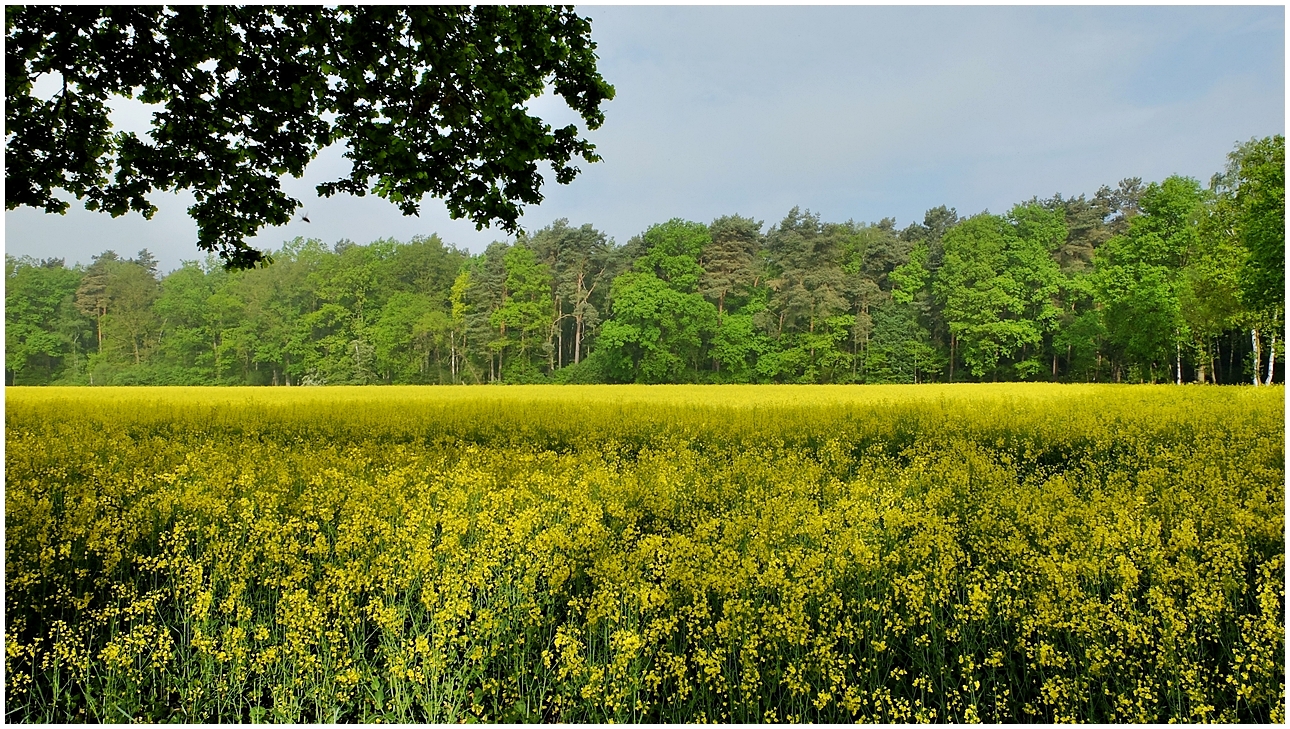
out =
column 1172, row 281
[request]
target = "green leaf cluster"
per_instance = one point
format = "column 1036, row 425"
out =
column 429, row 100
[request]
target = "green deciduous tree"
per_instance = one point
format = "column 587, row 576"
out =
column 42, row 325
column 737, row 346
column 1139, row 279
column 428, row 100
column 671, row 252
column 1260, row 169
column 405, row 337
column 660, row 324
column 523, row 319
column 909, row 278
column 457, row 342
column 656, row 333
column 900, row 349
column 190, row 336
column 1250, row 214
column 997, row 284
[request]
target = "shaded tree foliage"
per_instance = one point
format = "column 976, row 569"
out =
column 428, row 100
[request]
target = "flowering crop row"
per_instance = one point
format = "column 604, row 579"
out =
column 961, row 553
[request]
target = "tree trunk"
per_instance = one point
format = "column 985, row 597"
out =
column 577, row 316
column 577, row 341
column 1272, row 359
column 865, row 349
column 1258, row 354
column 555, row 359
column 1213, row 362
column 1054, row 365
column 855, row 346
column 953, row 344
column 1231, row 356
column 1177, row 363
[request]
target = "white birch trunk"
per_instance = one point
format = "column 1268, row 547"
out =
column 1258, row 354
column 1272, row 359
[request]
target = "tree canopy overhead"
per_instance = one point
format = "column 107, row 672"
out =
column 429, row 100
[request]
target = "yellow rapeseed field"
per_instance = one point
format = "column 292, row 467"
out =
column 707, row 553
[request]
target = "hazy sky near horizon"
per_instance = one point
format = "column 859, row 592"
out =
column 855, row 113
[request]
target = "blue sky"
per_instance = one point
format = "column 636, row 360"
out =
column 853, row 112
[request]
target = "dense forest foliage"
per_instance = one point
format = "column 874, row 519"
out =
column 1166, row 282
